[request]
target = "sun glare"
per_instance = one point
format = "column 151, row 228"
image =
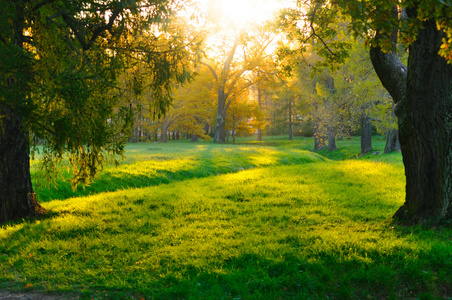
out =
column 243, row 12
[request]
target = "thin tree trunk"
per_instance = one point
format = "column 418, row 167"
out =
column 392, row 137
column 290, row 120
column 366, row 135
column 331, row 139
column 17, row 198
column 233, row 130
column 164, row 133
column 392, row 141
column 220, row 132
column 259, row 103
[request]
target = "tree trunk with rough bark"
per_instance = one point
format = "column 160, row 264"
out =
column 425, row 131
column 423, row 97
column 17, row 198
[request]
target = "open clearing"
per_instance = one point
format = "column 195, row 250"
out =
column 245, row 221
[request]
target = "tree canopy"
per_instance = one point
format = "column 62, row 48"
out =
column 59, row 67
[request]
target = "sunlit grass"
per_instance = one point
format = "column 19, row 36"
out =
column 273, row 222
column 150, row 164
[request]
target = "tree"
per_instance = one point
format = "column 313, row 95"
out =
column 192, row 107
column 421, row 90
column 59, row 65
column 422, row 95
column 245, row 54
column 245, row 116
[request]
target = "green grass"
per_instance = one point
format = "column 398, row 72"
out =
column 239, row 221
column 150, row 164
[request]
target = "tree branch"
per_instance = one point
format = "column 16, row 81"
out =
column 211, row 70
column 391, row 71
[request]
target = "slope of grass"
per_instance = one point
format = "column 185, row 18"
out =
column 316, row 229
column 149, row 164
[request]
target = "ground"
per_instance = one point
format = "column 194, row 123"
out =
column 5, row 295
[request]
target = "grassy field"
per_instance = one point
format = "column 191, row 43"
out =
column 246, row 221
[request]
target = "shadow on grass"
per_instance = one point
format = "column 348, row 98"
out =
column 296, row 272
column 262, row 233
column 210, row 161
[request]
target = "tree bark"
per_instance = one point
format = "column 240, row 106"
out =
column 222, row 106
column 424, row 112
column 331, row 139
column 233, row 130
column 425, row 131
column 259, row 103
column 366, row 135
column 220, row 132
column 392, row 141
column 17, row 198
column 164, row 133
column 290, row 120
column 392, row 137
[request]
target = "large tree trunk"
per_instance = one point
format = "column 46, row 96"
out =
column 424, row 111
column 17, row 198
column 366, row 135
column 425, row 131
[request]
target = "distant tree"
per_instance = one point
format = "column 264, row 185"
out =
column 245, row 116
column 59, row 65
column 245, row 52
column 192, row 108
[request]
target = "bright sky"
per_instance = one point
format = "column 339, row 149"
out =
column 243, row 12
